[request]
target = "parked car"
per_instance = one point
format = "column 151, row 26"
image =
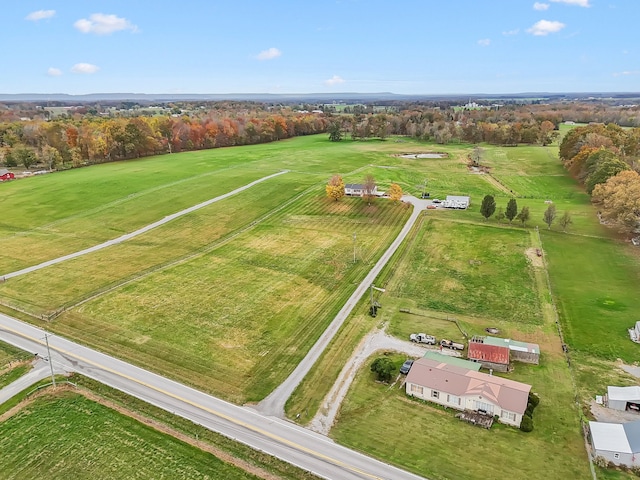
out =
column 422, row 338
column 431, row 207
column 406, row 366
column 436, row 200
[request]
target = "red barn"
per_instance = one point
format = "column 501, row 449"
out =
column 495, row 357
column 6, row 174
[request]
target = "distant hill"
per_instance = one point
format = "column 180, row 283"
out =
column 345, row 97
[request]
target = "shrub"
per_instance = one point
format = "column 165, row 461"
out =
column 527, row 424
column 383, row 368
column 534, row 399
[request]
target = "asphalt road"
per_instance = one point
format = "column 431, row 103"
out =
column 140, row 231
column 273, row 404
column 285, row 440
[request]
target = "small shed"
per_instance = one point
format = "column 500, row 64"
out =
column 6, row 174
column 623, row 398
column 618, row 443
column 495, row 357
column 519, row 351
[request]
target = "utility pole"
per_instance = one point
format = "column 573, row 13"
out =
column 354, row 247
column 53, row 378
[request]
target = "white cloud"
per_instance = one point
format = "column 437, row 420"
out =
column 626, row 72
column 540, row 6
column 335, row 80
column 545, row 27
column 579, row 3
column 54, row 72
column 84, row 68
column 485, row 42
column 40, row 15
column 512, row 32
column 102, row 24
column 269, row 54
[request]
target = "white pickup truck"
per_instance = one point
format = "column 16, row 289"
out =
column 422, row 338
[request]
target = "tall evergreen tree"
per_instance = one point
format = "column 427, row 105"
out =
column 488, row 206
column 512, row 209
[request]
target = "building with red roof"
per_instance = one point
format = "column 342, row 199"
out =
column 489, row 355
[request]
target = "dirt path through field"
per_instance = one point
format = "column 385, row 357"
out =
column 140, row 231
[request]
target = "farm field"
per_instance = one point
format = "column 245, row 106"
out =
column 456, row 265
column 77, row 438
column 78, row 279
column 230, row 298
column 596, row 284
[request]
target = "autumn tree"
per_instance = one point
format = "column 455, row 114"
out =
column 24, row 156
column 603, row 171
column 547, row 132
column 335, row 188
column 619, row 200
column 488, row 206
column 395, row 192
column 549, row 215
column 524, row 216
column 512, row 210
column 565, row 221
column 369, row 188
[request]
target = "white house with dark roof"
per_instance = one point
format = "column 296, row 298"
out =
column 464, row 389
column 618, row 443
column 358, row 190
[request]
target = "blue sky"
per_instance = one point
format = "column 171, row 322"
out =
column 311, row 46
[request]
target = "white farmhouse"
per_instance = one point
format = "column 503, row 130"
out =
column 464, row 389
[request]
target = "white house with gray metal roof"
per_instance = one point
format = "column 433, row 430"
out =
column 618, row 443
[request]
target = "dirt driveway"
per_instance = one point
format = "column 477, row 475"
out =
column 377, row 340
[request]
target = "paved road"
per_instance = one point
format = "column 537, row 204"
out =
column 140, row 231
column 40, row 371
column 274, row 403
column 285, row 440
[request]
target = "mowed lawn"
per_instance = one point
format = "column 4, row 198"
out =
column 237, row 320
column 471, row 269
column 431, row 442
column 595, row 282
column 69, row 436
column 56, row 214
column 75, row 280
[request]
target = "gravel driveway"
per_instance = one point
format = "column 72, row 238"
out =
column 377, row 340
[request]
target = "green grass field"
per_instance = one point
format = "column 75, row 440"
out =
column 428, row 440
column 596, row 283
column 68, row 436
column 230, row 298
column 237, row 320
column 9, row 353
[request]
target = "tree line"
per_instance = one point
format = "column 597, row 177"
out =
column 68, row 143
column 606, row 160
